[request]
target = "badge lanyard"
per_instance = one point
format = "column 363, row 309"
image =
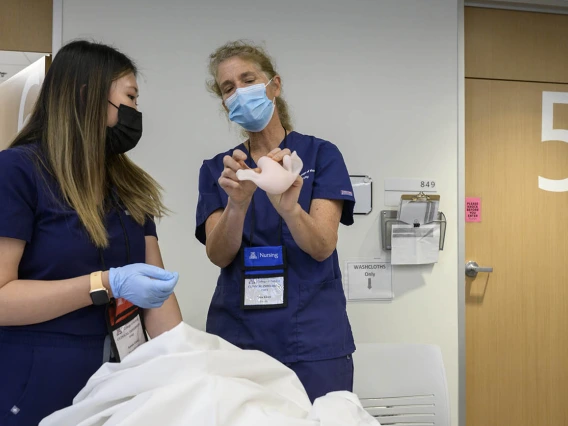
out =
column 264, row 283
column 125, row 324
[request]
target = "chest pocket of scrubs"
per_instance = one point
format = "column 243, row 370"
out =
column 264, row 283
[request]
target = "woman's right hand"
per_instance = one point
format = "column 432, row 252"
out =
column 240, row 192
column 143, row 285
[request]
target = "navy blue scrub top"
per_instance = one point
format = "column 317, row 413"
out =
column 58, row 246
column 314, row 326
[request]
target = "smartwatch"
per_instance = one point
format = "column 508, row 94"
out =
column 99, row 294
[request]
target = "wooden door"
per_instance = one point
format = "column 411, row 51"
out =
column 516, row 162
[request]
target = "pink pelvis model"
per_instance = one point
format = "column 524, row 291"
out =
column 274, row 178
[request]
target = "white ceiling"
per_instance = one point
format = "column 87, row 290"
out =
column 13, row 62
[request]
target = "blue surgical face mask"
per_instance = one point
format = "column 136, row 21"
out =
column 250, row 107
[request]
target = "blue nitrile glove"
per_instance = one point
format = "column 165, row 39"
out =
column 143, row 285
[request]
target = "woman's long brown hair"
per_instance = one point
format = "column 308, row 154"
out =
column 69, row 121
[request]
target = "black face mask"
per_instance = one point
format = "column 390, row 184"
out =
column 126, row 133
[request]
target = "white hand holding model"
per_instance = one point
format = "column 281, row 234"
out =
column 274, row 178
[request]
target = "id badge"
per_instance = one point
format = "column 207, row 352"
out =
column 126, row 328
column 264, row 278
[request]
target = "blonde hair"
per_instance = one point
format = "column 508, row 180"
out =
column 255, row 54
column 70, row 122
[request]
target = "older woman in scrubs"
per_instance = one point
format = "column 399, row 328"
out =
column 279, row 288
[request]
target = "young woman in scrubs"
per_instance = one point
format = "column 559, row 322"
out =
column 279, row 289
column 78, row 247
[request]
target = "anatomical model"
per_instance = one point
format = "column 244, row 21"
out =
column 274, row 178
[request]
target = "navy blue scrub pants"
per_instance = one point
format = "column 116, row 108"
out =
column 41, row 373
column 322, row 377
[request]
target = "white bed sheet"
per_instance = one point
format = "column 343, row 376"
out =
column 188, row 377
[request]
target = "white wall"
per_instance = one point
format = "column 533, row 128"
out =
column 378, row 78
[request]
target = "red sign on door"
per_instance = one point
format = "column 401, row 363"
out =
column 473, row 209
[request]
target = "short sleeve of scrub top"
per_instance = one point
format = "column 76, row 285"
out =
column 150, row 228
column 18, row 192
column 209, row 200
column 332, row 180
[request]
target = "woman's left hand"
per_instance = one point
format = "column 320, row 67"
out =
column 288, row 201
column 278, row 154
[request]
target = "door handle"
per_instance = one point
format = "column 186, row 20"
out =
column 472, row 268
